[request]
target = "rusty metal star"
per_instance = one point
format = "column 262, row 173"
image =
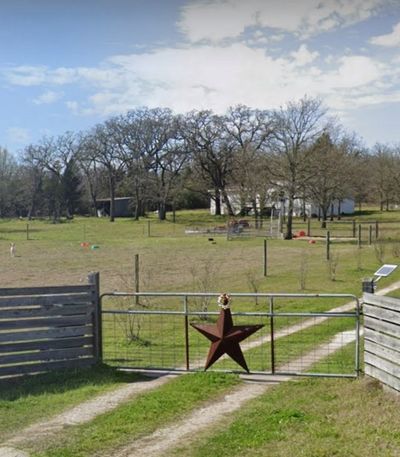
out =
column 225, row 338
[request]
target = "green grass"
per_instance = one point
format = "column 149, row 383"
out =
column 169, row 260
column 309, row 418
column 25, row 401
column 172, row 261
column 140, row 416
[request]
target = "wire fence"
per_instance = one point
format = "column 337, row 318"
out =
column 143, row 336
column 97, row 230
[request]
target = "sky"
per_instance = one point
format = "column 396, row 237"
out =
column 67, row 65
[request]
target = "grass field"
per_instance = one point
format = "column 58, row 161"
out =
column 171, row 260
column 33, row 399
column 308, row 418
column 287, row 423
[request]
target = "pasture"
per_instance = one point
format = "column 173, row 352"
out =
column 171, row 260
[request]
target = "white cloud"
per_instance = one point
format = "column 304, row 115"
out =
column 36, row 76
column 303, row 56
column 18, row 135
column 226, row 19
column 390, row 40
column 216, row 76
column 356, row 71
column 48, row 97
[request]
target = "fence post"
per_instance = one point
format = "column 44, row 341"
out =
column 27, row 232
column 272, row 345
column 328, row 242
column 265, row 257
column 370, row 235
column 185, row 305
column 359, row 235
column 354, row 228
column 148, row 228
column 136, row 278
column 308, row 227
column 94, row 281
column 376, row 230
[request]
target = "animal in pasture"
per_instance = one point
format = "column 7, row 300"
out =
column 12, row 249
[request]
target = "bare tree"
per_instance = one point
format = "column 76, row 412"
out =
column 329, row 165
column 34, row 177
column 384, row 176
column 249, row 130
column 213, row 153
column 295, row 128
column 92, row 170
column 150, row 144
column 58, row 156
column 104, row 151
column 8, row 176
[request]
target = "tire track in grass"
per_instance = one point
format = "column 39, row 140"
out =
column 167, row 438
column 82, row 413
column 89, row 410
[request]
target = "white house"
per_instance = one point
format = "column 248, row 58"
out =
column 347, row 205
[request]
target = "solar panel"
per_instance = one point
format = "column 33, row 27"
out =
column 385, row 270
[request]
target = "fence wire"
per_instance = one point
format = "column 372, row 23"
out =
column 303, row 343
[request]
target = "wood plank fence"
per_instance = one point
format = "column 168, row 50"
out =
column 382, row 339
column 49, row 328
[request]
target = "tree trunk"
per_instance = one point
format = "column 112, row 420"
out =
column 255, row 210
column 339, row 210
column 324, row 217
column 162, row 213
column 289, row 224
column 173, row 213
column 227, row 203
column 112, row 197
column 31, row 210
column 332, row 211
column 217, row 202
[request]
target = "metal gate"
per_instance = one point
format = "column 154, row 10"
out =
column 302, row 334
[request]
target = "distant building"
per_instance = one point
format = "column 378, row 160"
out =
column 347, row 205
column 123, row 207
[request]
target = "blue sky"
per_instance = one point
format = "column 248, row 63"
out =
column 67, row 65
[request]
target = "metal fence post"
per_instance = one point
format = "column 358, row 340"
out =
column 137, row 278
column 187, row 356
column 265, row 257
column 94, row 281
column 357, row 355
column 271, row 310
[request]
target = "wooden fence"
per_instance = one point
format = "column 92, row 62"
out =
column 49, row 328
column 382, row 339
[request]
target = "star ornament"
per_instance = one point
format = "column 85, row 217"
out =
column 225, row 338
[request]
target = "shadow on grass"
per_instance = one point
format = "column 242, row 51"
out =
column 63, row 381
column 366, row 212
column 18, row 230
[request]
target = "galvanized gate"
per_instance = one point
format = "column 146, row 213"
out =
column 302, row 334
